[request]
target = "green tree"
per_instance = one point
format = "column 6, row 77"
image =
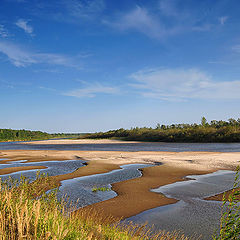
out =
column 203, row 121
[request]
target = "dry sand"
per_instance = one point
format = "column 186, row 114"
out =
column 79, row 141
column 133, row 195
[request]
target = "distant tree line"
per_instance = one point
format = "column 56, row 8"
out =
column 67, row 135
column 27, row 135
column 213, row 131
column 23, row 135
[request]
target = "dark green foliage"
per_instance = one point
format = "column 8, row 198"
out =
column 215, row 131
column 24, row 135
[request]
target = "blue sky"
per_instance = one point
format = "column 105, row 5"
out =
column 95, row 65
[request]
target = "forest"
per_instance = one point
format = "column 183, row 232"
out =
column 27, row 135
column 213, row 131
column 22, row 135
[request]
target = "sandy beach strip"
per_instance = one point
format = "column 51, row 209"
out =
column 79, row 141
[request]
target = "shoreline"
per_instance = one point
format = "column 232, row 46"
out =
column 79, row 141
column 134, row 194
column 104, row 141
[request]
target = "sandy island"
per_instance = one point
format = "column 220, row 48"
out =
column 134, row 195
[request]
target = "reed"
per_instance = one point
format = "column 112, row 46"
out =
column 26, row 212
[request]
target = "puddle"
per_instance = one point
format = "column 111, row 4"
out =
column 192, row 214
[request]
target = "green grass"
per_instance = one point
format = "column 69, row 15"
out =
column 102, row 189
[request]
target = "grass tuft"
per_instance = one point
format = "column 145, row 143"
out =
column 102, row 189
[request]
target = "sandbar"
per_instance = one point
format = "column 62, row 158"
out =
column 134, row 196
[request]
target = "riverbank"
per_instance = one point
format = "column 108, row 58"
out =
column 215, row 131
column 133, row 194
column 80, row 141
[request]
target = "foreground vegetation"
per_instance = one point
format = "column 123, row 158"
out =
column 213, row 131
column 28, row 213
column 230, row 219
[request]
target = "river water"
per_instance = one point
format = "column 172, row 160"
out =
column 127, row 146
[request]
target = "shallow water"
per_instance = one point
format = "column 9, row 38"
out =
column 192, row 214
column 80, row 191
column 127, row 146
column 53, row 168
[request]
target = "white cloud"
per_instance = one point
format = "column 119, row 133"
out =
column 170, row 18
column 141, row 20
column 23, row 24
column 3, row 31
column 182, row 84
column 91, row 91
column 223, row 19
column 21, row 57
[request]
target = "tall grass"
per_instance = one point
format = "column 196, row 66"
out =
column 230, row 219
column 27, row 212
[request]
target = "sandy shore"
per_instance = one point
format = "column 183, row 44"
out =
column 133, row 195
column 79, row 141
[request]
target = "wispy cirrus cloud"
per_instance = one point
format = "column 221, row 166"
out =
column 166, row 18
column 91, row 90
column 24, row 25
column 84, row 8
column 223, row 20
column 141, row 20
column 3, row 31
column 22, row 57
column 183, row 84
column 71, row 11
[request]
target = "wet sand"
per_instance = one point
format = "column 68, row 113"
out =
column 134, row 195
column 219, row 197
